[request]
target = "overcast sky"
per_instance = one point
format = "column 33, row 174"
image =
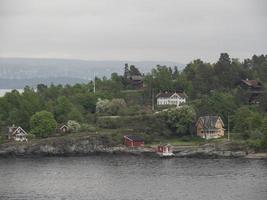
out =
column 158, row 30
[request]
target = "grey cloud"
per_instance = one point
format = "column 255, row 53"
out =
column 132, row 29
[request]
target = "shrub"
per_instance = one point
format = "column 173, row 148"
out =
column 31, row 136
column 88, row 127
column 109, row 122
column 1, row 139
column 256, row 144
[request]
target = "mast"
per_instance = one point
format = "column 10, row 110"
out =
column 228, row 127
column 153, row 107
column 94, row 83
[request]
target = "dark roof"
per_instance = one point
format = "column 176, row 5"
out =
column 167, row 94
column 136, row 78
column 252, row 83
column 134, row 138
column 164, row 145
column 209, row 121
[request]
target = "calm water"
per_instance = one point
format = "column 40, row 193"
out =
column 121, row 177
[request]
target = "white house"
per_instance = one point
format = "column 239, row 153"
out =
column 171, row 98
column 17, row 134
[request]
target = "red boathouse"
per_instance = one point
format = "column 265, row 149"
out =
column 133, row 141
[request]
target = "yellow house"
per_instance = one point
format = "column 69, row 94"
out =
column 209, row 127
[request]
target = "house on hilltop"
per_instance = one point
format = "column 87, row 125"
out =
column 133, row 75
column 17, row 134
column 254, row 88
column 171, row 98
column 209, row 127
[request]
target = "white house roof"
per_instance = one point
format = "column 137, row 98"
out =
column 167, row 94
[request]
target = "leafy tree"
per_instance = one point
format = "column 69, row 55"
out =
column 181, row 119
column 201, row 76
column 161, row 78
column 217, row 103
column 225, row 72
column 43, row 124
column 73, row 126
column 115, row 105
column 102, row 105
column 246, row 121
column 62, row 108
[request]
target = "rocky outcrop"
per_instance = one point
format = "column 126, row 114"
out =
column 210, row 151
column 64, row 146
column 86, row 145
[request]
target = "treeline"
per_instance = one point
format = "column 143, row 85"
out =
column 212, row 89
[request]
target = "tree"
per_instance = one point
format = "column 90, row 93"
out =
column 247, row 121
column 181, row 119
column 217, row 103
column 227, row 72
column 126, row 71
column 102, row 105
column 73, row 126
column 43, row 124
column 115, row 105
column 62, row 108
column 201, row 76
column 161, row 78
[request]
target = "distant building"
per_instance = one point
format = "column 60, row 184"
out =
column 133, row 141
column 17, row 134
column 136, row 81
column 133, row 76
column 164, row 150
column 209, row 127
column 254, row 88
column 171, row 98
column 63, row 128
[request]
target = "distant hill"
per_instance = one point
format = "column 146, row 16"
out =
column 18, row 72
column 33, row 82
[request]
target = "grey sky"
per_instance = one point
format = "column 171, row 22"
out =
column 174, row 30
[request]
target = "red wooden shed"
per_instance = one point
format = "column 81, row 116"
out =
column 133, row 141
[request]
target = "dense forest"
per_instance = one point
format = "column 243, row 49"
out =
column 212, row 89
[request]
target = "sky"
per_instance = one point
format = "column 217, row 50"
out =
column 137, row 30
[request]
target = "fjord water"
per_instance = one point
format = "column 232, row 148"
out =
column 130, row 177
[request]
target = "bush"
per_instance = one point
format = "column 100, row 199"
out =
column 88, row 127
column 256, row 144
column 1, row 139
column 109, row 122
column 31, row 136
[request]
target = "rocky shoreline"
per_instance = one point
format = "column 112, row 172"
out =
column 99, row 145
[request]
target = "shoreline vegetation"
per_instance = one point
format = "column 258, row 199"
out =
column 96, row 115
column 86, row 144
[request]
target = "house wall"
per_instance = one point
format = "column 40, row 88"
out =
column 127, row 142
column 130, row 143
column 208, row 134
column 163, row 149
column 219, row 125
column 170, row 101
column 138, row 144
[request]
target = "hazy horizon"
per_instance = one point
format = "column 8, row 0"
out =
column 177, row 31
